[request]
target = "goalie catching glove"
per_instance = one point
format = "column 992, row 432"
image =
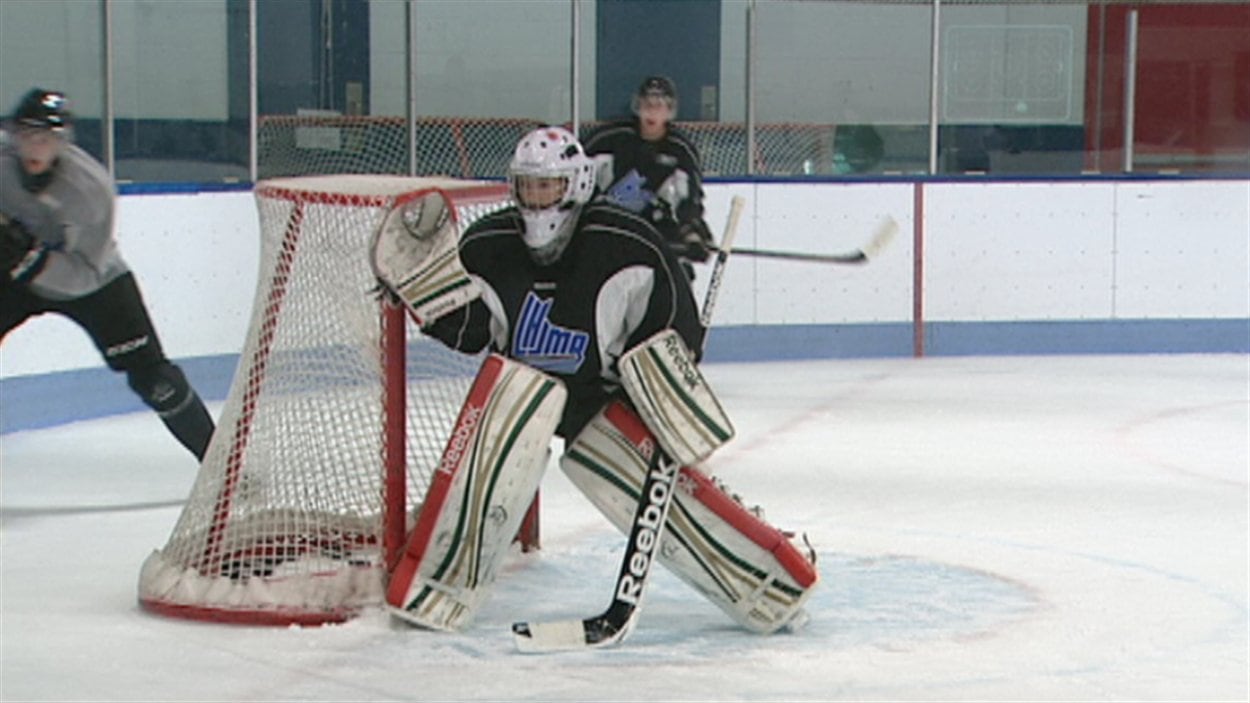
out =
column 415, row 254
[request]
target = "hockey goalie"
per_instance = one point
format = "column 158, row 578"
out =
column 595, row 337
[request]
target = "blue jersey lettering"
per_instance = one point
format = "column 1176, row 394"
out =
column 546, row 346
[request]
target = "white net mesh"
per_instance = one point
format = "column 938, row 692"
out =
column 285, row 523
column 466, row 147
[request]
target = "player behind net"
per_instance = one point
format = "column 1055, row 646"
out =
column 650, row 167
column 595, row 338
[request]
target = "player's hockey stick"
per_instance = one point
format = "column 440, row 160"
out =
column 655, row 497
column 722, row 257
column 881, row 237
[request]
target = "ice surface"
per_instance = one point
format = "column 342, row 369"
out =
column 1008, row 528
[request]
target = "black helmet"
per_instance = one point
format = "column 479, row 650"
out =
column 46, row 109
column 658, row 86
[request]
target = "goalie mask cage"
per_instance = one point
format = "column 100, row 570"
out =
column 338, row 412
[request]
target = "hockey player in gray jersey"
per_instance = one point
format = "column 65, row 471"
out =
column 58, row 255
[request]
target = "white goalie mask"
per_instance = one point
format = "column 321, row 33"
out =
column 551, row 178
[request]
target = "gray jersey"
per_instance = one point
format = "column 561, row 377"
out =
column 73, row 216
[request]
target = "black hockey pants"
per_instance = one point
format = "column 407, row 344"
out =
column 117, row 321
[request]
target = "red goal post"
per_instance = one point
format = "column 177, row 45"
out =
column 337, row 415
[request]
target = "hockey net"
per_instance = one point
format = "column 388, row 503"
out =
column 337, row 415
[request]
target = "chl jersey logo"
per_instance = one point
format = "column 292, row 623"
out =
column 629, row 192
column 543, row 345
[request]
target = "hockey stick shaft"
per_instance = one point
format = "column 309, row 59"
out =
column 722, row 258
column 854, row 257
column 881, row 237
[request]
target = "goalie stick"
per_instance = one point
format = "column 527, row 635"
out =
column 655, row 497
column 881, row 237
column 613, row 625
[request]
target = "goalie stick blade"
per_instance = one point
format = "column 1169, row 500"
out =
column 855, row 257
column 566, row 635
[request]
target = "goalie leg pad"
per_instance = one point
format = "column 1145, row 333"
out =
column 663, row 382
column 415, row 253
column 477, row 499
column 746, row 567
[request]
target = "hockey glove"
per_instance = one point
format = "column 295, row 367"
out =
column 415, row 254
column 22, row 257
column 695, row 241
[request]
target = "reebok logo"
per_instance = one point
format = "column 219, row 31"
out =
column 460, row 437
column 127, row 346
column 681, row 360
column 659, row 488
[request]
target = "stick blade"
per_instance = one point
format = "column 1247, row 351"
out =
column 557, row 636
column 736, row 205
column 881, row 238
column 565, row 635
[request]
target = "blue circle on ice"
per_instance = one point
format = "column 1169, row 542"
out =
column 890, row 602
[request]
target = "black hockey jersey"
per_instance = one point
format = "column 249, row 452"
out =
column 614, row 286
column 662, row 180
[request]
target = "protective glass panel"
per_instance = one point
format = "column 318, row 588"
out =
column 74, row 65
column 180, row 90
column 842, row 88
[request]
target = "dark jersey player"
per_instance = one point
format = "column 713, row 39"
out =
column 58, row 255
column 568, row 284
column 649, row 167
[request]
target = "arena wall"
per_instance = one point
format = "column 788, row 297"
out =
column 1023, row 267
